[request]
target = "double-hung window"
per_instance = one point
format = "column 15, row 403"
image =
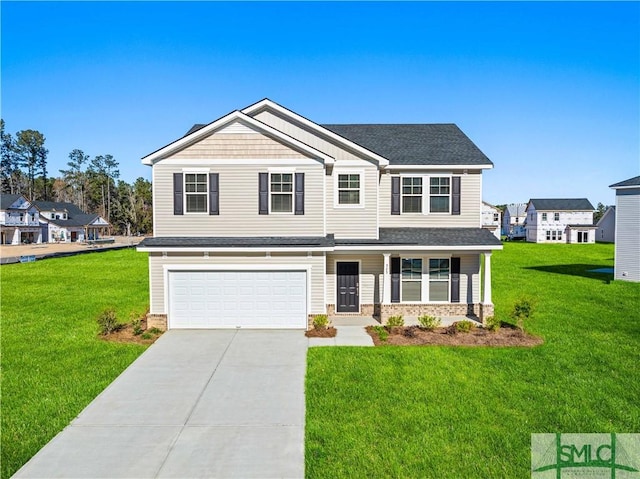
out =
column 556, row 217
column 439, row 279
column 195, row 188
column 281, row 191
column 349, row 192
column 439, row 194
column 412, row 194
column 411, row 279
column 544, row 217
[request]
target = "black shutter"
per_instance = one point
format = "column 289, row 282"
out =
column 214, row 194
column 455, row 280
column 455, row 195
column 299, row 209
column 178, row 186
column 395, row 279
column 263, row 193
column 395, row 195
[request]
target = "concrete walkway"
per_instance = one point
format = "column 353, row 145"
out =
column 349, row 332
column 220, row 403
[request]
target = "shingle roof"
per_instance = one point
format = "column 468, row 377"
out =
column 72, row 209
column 415, row 144
column 561, row 204
column 635, row 181
column 238, row 242
column 454, row 237
column 7, row 200
column 83, row 219
column 194, row 128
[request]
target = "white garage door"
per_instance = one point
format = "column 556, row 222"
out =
column 231, row 299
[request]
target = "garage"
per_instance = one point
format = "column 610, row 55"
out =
column 237, row 299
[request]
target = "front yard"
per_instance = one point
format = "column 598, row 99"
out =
column 439, row 411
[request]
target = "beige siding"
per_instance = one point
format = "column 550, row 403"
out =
column 470, row 204
column 239, row 146
column 371, row 272
column 238, row 199
column 157, row 263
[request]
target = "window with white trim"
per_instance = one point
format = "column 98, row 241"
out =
column 544, row 217
column 556, row 217
column 195, row 191
column 439, row 279
column 439, row 194
column 349, row 192
column 411, row 269
column 412, row 194
column 281, row 192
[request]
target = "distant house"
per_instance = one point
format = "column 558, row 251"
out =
column 627, row 239
column 19, row 221
column 491, row 218
column 65, row 223
column 514, row 216
column 606, row 226
column 560, row 220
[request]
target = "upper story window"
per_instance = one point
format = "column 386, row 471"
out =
column 281, row 191
column 439, row 194
column 544, row 217
column 195, row 188
column 33, row 216
column 412, row 195
column 349, row 189
column 556, row 217
column 496, row 217
column 53, row 216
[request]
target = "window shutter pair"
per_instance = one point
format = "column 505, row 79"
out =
column 396, row 196
column 178, row 194
column 263, row 194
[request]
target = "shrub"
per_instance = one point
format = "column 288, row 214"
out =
column 136, row 325
column 155, row 331
column 320, row 321
column 395, row 321
column 147, row 336
column 492, row 323
column 383, row 334
column 522, row 311
column 108, row 322
column 428, row 322
column 464, row 326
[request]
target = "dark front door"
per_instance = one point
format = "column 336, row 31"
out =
column 348, row 281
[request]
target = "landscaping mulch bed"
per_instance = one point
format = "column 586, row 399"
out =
column 321, row 333
column 415, row 336
column 126, row 335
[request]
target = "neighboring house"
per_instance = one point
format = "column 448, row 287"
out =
column 263, row 219
column 491, row 219
column 19, row 220
column 606, row 226
column 560, row 220
column 66, row 223
column 627, row 256
column 513, row 217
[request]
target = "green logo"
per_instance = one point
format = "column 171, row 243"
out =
column 585, row 455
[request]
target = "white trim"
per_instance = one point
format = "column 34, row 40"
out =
column 262, row 162
column 393, row 248
column 228, row 249
column 629, row 187
column 195, row 171
column 268, row 104
column 224, row 121
column 438, row 167
column 336, row 189
column 283, row 171
column 335, row 283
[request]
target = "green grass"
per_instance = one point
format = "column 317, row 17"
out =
column 52, row 363
column 469, row 412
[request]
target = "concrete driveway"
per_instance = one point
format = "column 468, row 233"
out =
column 221, row 403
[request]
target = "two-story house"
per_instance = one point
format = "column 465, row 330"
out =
column 514, row 218
column 19, row 220
column 563, row 220
column 263, row 219
column 65, row 222
column 627, row 230
column 491, row 218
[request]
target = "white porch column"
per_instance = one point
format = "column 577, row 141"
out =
column 487, row 279
column 386, row 280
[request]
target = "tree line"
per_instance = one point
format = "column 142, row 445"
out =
column 92, row 184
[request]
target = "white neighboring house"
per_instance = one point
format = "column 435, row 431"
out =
column 606, row 226
column 19, row 221
column 66, row 223
column 627, row 262
column 560, row 220
column 514, row 216
column 491, row 218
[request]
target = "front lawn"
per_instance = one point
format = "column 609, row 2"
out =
column 52, row 363
column 469, row 412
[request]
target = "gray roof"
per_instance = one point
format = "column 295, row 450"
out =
column 415, row 144
column 635, row 181
column 561, row 204
column 7, row 200
column 239, row 242
column 453, row 237
column 58, row 206
column 77, row 220
column 194, row 128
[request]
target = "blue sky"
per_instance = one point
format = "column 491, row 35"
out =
column 549, row 91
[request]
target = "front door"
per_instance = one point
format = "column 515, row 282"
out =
column 348, row 282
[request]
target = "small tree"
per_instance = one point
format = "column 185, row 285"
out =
column 522, row 311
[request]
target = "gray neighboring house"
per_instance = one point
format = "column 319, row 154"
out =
column 606, row 226
column 627, row 239
column 560, row 220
